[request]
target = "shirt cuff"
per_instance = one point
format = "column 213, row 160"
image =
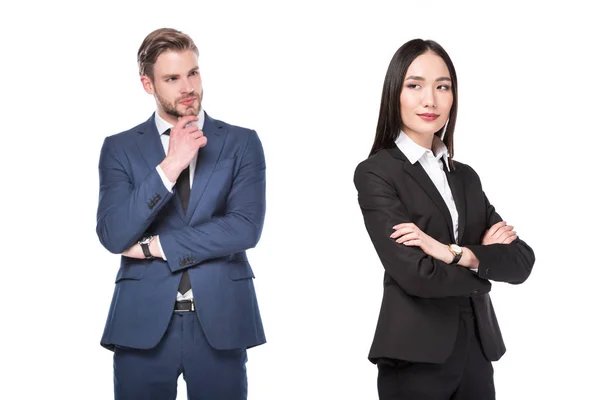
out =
column 162, row 253
column 168, row 184
column 475, row 270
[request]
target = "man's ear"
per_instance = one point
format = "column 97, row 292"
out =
column 147, row 83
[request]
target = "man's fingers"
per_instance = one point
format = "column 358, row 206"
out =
column 202, row 141
column 183, row 121
column 192, row 128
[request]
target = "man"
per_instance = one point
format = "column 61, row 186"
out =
column 182, row 196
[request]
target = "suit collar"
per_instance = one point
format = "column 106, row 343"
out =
column 162, row 125
column 414, row 151
column 417, row 172
column 397, row 153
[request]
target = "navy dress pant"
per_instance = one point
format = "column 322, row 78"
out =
column 152, row 374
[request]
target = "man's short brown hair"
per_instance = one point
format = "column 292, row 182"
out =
column 159, row 41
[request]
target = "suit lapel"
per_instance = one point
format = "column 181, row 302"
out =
column 207, row 158
column 417, row 172
column 149, row 144
column 458, row 193
column 153, row 152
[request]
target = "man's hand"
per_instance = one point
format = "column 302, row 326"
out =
column 184, row 143
column 134, row 251
column 499, row 233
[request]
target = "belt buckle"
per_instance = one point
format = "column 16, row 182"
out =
column 190, row 302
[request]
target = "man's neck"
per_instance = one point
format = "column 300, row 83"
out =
column 167, row 117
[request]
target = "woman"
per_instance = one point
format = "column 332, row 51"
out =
column 439, row 240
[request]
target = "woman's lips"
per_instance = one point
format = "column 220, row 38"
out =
column 428, row 116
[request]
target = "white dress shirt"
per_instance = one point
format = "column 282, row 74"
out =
column 432, row 164
column 162, row 126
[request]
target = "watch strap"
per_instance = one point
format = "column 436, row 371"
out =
column 456, row 259
column 145, row 245
column 146, row 250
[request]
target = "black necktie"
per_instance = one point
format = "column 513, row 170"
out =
column 183, row 190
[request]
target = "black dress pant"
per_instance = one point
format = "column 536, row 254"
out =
column 465, row 375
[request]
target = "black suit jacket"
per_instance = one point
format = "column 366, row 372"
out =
column 419, row 313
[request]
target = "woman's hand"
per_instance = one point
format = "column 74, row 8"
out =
column 409, row 234
column 499, row 233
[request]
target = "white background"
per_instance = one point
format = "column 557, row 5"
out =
column 308, row 77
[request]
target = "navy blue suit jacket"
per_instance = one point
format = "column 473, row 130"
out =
column 224, row 218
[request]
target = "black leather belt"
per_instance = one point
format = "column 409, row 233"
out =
column 185, row 305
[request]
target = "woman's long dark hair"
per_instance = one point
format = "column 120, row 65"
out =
column 390, row 122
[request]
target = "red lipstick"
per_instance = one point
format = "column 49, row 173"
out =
column 428, row 116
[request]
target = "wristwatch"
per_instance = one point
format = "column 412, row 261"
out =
column 457, row 252
column 145, row 243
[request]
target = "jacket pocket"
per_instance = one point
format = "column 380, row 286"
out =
column 133, row 271
column 239, row 270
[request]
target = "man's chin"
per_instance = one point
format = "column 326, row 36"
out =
column 190, row 111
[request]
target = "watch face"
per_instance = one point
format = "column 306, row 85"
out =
column 456, row 248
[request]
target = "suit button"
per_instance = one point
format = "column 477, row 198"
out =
column 475, row 291
column 487, row 271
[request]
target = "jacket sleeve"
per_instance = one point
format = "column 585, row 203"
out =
column 237, row 230
column 124, row 211
column 510, row 263
column 414, row 271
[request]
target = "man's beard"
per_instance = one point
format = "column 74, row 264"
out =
column 171, row 108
